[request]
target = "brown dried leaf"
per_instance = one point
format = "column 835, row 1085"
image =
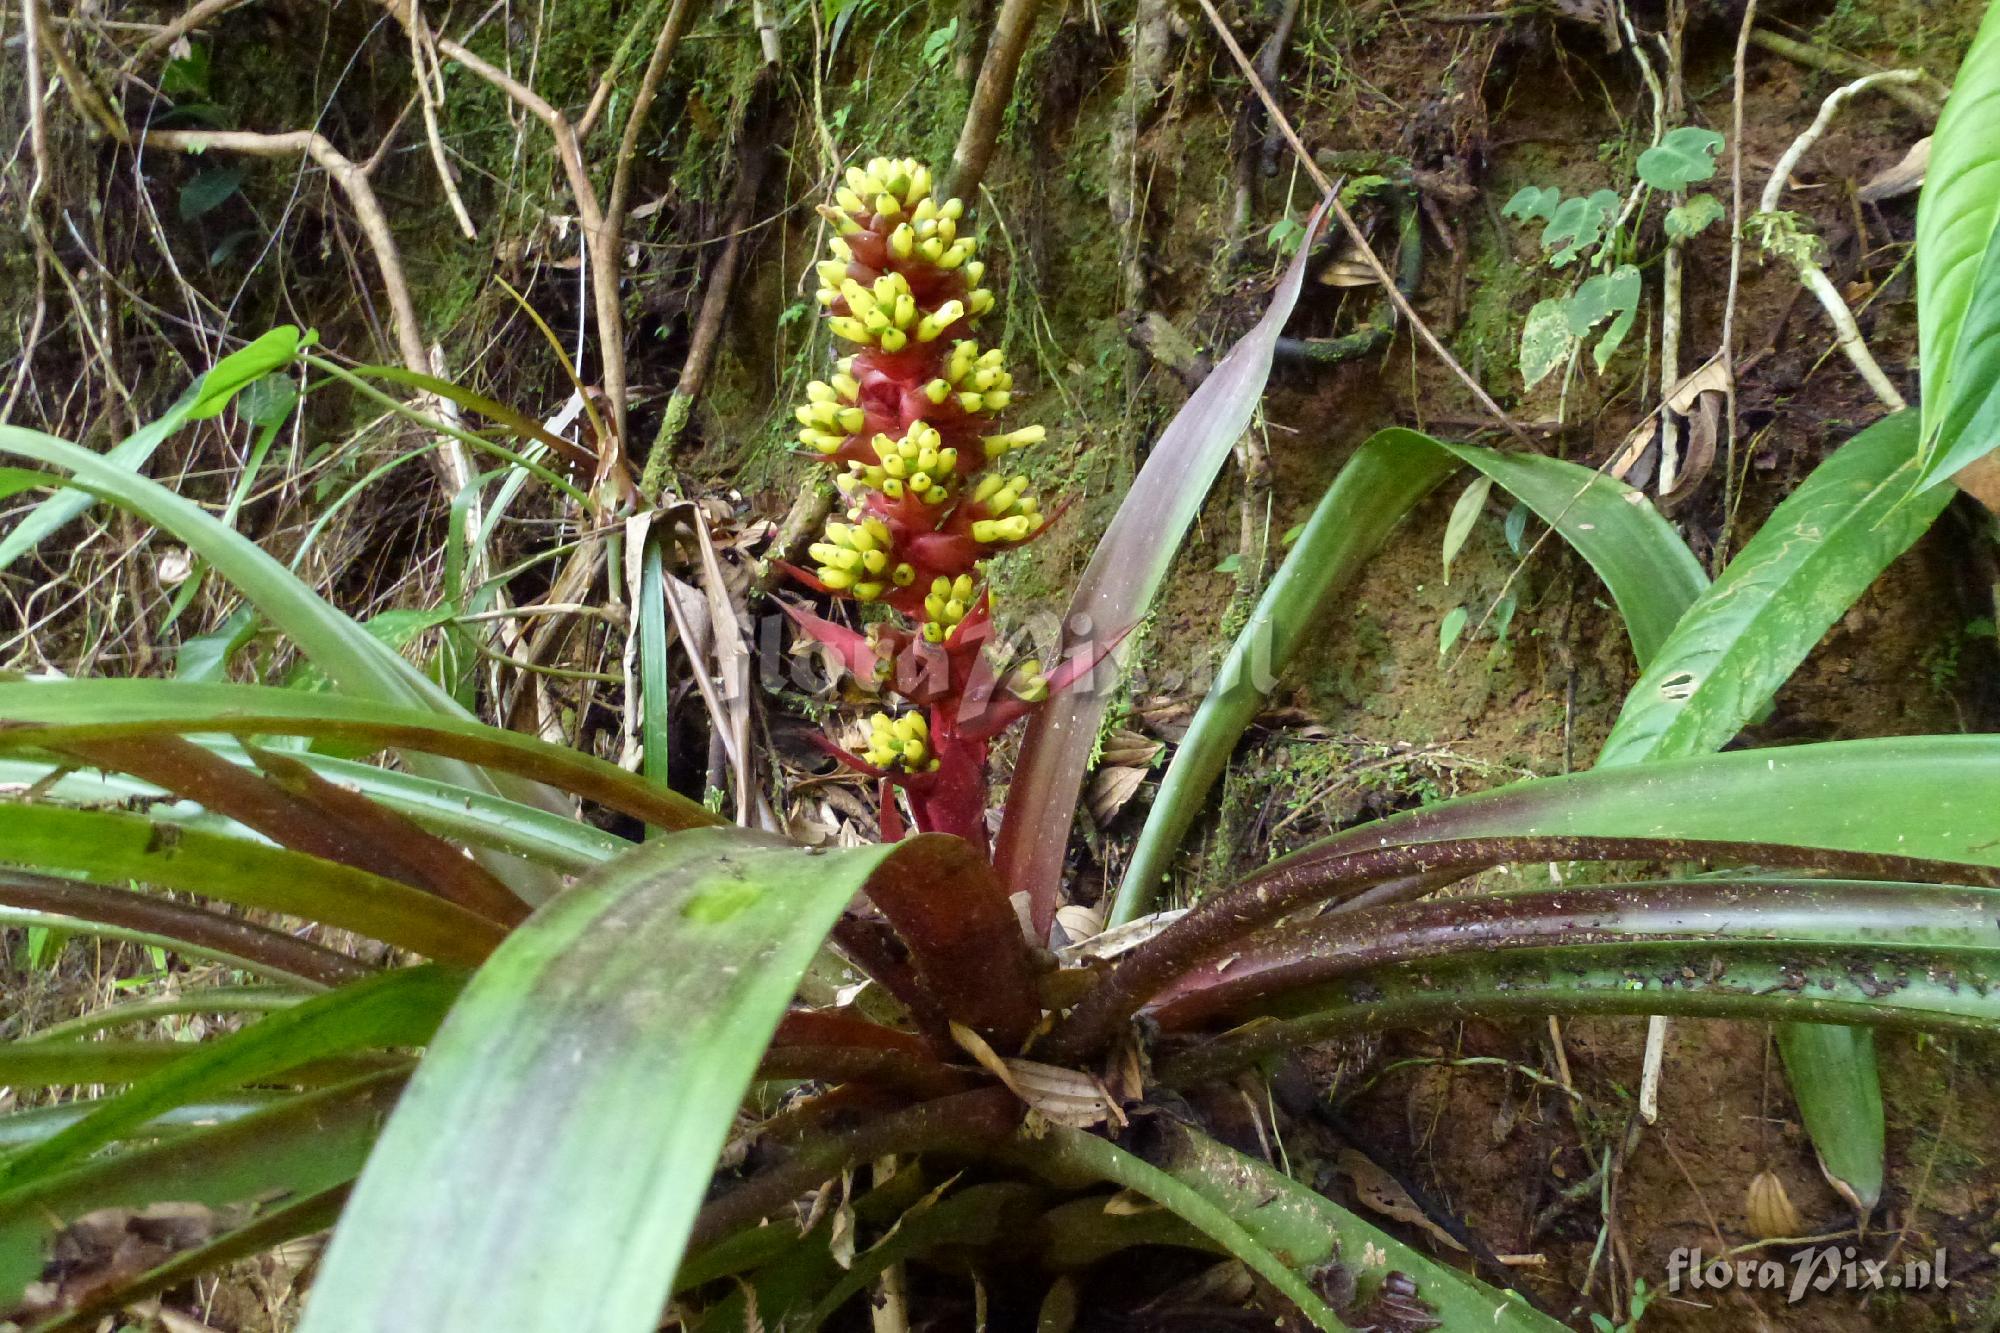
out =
column 1377, row 1189
column 1770, row 1210
column 1111, row 789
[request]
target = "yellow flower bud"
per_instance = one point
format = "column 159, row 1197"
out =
column 997, row 400
column 980, row 301
column 937, row 391
column 894, row 340
column 831, row 272
column 840, row 249
column 975, row 272
column 902, row 241
column 939, row 320
column 849, row 328
column 971, row 402
column 837, row 579
column 953, row 209
column 906, row 311
column 850, row 419
column 868, row 592
column 903, row 575
column 887, row 207
column 849, row 201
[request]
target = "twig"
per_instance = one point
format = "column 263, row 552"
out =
column 455, row 465
column 1354, row 232
column 424, row 64
column 38, row 130
column 991, row 94
column 1833, row 62
column 605, row 261
column 1846, row 332
column 195, row 16
column 82, row 88
column 635, row 122
column 1730, row 424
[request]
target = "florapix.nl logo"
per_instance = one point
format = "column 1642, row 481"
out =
column 1815, row 1268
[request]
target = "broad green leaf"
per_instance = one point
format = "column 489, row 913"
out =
column 1545, row 340
column 1651, row 574
column 1578, row 225
column 400, row 1008
column 1813, row 559
column 208, row 189
column 112, row 847
column 1691, row 219
column 1471, row 504
column 306, row 1144
column 1833, row 1078
column 88, row 709
column 1970, row 425
column 1685, row 155
column 1600, row 296
column 1310, row 1231
column 1838, row 989
column 1808, row 564
column 570, row 1111
column 1117, row 589
column 1533, row 201
column 1907, row 796
column 1958, row 214
column 472, row 817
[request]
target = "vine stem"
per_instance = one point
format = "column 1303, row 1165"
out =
column 1847, row 334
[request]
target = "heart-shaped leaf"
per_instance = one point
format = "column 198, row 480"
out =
column 1684, row 156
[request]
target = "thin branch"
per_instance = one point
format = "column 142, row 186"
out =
column 353, row 183
column 195, row 17
column 1354, row 232
column 605, row 261
column 1011, row 30
column 664, row 46
column 1846, row 332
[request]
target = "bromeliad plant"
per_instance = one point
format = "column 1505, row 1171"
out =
column 562, row 1077
column 909, row 416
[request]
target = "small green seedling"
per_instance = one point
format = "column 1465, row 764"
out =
column 1597, row 231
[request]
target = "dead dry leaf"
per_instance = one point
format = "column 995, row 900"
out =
column 1111, row 789
column 1903, row 178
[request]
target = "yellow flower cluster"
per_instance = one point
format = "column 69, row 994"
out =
column 946, row 605
column 918, row 464
column 858, row 558
column 831, row 412
column 1013, row 514
column 900, row 743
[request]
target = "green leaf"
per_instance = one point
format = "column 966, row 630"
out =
column 400, row 1008
column 1958, row 214
column 1577, row 225
column 1449, row 630
column 1545, row 340
column 1691, row 219
column 1471, row 504
column 355, row 660
column 300, row 1147
column 1226, row 1224
column 208, row 190
column 87, row 709
column 1833, row 1078
column 1117, row 588
column 1809, row 563
column 1813, row 559
column 112, row 847
column 1601, row 296
column 1311, row 1231
column 1652, row 576
column 1531, row 202
column 560, row 1135
column 1684, row 156
column 1969, row 428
